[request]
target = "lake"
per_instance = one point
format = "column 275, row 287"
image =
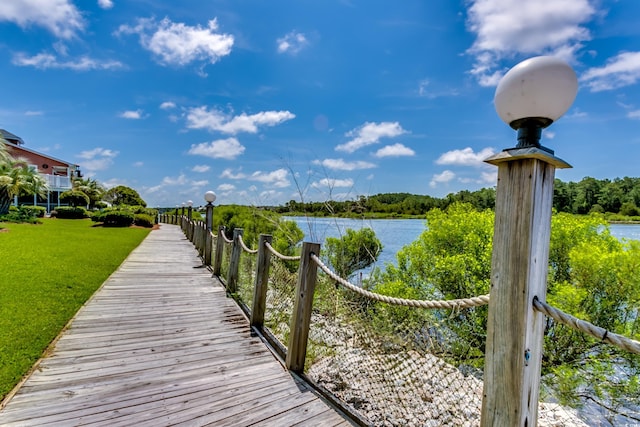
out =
column 396, row 233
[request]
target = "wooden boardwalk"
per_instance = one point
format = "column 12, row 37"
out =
column 160, row 344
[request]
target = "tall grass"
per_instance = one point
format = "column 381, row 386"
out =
column 47, row 272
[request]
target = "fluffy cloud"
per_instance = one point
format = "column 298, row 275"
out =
column 179, row 44
column 292, row 43
column 634, row 114
column 333, row 183
column 97, row 159
column 395, row 150
column 228, row 149
column 621, row 70
column 46, row 60
column 465, row 157
column 131, row 114
column 226, row 187
column 370, row 133
column 105, row 4
column 228, row 173
column 60, row 17
column 201, row 168
column 505, row 28
column 167, row 105
column 441, row 178
column 214, row 120
column 277, row 178
column 340, row 164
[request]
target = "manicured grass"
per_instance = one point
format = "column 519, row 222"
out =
column 47, row 272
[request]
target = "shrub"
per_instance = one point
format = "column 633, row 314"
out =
column 34, row 211
column 144, row 220
column 118, row 218
column 70, row 212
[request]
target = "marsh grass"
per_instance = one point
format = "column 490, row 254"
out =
column 47, row 272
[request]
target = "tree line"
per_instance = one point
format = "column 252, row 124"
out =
column 620, row 196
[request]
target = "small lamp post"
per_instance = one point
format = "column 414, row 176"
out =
column 189, row 208
column 530, row 97
column 183, row 208
column 209, row 197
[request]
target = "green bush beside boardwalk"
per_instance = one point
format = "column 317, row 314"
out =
column 45, row 279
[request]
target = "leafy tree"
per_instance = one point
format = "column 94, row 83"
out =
column 122, row 195
column 353, row 251
column 17, row 179
column 75, row 198
column 91, row 188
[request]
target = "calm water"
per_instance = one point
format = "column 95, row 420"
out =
column 396, row 233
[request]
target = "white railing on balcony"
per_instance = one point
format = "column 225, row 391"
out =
column 57, row 182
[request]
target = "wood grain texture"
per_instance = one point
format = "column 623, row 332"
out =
column 160, row 344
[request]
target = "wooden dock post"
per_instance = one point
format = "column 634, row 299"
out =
column 261, row 281
column 217, row 262
column 234, row 264
column 519, row 270
column 301, row 316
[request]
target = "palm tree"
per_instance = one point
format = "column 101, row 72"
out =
column 91, row 188
column 17, row 179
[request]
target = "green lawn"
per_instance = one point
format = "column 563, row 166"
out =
column 47, row 272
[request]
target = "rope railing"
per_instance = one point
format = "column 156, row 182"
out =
column 447, row 304
column 225, row 238
column 588, row 328
column 281, row 256
column 245, row 248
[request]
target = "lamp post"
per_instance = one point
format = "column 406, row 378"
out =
column 530, row 97
column 209, row 197
column 183, row 208
column 189, row 208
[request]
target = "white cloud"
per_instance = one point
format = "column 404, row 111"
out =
column 292, row 43
column 179, row 180
column 395, row 150
column 465, row 157
column 201, row 168
column 228, row 173
column 179, row 44
column 97, row 159
column 506, row 28
column 138, row 164
column 131, row 114
column 229, row 149
column 214, row 120
column 427, row 90
column 44, row 61
column 634, row 114
column 60, row 17
column 441, row 178
column 370, row 133
column 105, row 4
column 276, row 178
column 620, row 71
column 333, row 183
column 33, row 113
column 226, row 187
column 167, row 105
column 340, row 164
column 200, row 183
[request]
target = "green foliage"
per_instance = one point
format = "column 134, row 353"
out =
column 34, row 211
column 122, row 195
column 70, row 212
column 629, row 209
column 353, row 251
column 117, row 218
column 17, row 179
column 592, row 275
column 144, row 220
column 74, row 198
column 46, row 274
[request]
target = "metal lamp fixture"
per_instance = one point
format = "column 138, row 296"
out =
column 534, row 94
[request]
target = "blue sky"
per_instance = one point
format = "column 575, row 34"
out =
column 268, row 101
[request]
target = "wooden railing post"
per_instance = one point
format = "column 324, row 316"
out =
column 519, row 269
column 217, row 262
column 262, row 278
column 301, row 316
column 234, row 264
column 208, row 246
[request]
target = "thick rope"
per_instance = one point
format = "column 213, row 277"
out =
column 455, row 303
column 225, row 238
column 279, row 255
column 583, row 326
column 245, row 248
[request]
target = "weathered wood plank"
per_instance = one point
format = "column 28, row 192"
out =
column 161, row 344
